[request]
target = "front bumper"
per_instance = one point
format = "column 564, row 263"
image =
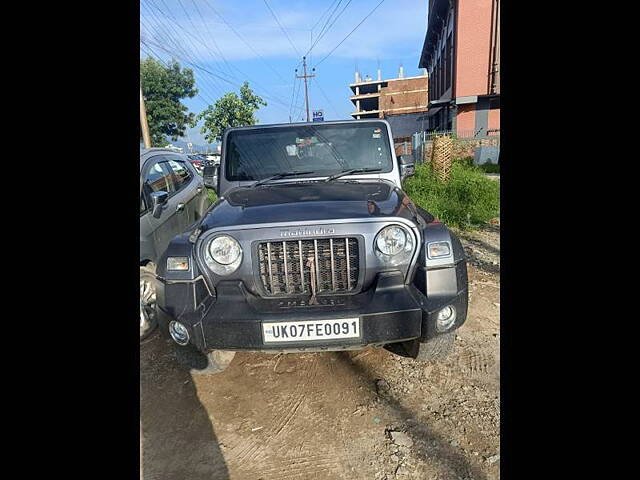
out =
column 390, row 311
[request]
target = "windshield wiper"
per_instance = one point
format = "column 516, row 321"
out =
column 279, row 175
column 350, row 171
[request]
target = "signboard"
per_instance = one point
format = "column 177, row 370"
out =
column 318, row 115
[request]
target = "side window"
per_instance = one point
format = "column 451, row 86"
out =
column 157, row 179
column 181, row 174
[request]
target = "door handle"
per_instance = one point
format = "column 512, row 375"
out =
column 180, row 208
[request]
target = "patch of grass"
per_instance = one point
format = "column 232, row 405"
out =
column 490, row 168
column 467, row 200
column 486, row 168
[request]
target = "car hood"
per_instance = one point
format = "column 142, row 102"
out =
column 308, row 201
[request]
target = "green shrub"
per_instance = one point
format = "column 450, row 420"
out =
column 465, row 162
column 212, row 195
column 490, row 168
column 468, row 199
column 486, row 167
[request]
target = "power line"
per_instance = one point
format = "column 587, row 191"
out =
column 200, row 67
column 200, row 40
column 349, row 34
column 282, row 28
column 232, row 75
column 304, row 77
column 245, row 41
column 179, row 46
column 316, row 83
column 324, row 31
column 213, row 39
column 176, row 22
column 154, row 54
column 273, row 97
column 328, row 19
column 205, row 81
column 322, row 16
column 295, row 102
column 293, row 91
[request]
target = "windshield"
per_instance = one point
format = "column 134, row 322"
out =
column 255, row 154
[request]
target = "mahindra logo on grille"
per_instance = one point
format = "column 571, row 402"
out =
column 307, row 231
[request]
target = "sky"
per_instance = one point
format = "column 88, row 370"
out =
column 226, row 42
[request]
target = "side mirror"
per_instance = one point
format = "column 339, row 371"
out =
column 407, row 167
column 158, row 201
column 210, row 176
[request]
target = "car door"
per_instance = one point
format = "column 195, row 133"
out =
column 189, row 188
column 158, row 176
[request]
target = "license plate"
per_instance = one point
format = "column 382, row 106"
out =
column 318, row 330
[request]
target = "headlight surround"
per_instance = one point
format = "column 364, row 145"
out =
column 223, row 254
column 394, row 243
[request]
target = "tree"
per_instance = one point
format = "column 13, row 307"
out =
column 230, row 111
column 163, row 87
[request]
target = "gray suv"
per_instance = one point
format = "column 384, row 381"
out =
column 312, row 246
column 172, row 197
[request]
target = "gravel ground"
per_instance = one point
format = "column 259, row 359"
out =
column 359, row 415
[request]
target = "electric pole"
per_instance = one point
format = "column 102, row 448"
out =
column 143, row 122
column 305, row 76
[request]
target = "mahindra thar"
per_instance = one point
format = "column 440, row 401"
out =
column 312, row 246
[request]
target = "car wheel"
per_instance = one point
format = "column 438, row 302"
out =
column 148, row 314
column 436, row 348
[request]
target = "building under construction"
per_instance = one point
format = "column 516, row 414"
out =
column 402, row 101
column 381, row 98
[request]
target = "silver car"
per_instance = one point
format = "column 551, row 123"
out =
column 172, row 197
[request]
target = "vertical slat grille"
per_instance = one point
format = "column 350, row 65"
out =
column 285, row 269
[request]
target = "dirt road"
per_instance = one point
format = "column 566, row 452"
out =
column 358, row 415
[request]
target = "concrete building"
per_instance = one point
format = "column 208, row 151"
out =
column 383, row 98
column 461, row 53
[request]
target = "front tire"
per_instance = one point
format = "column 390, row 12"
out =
column 148, row 314
column 436, row 348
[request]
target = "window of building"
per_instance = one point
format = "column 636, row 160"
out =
column 441, row 76
column 448, row 63
column 433, row 90
column 437, row 80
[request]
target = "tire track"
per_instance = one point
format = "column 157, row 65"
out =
column 250, row 452
column 475, row 362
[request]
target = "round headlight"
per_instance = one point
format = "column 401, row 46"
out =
column 393, row 240
column 224, row 250
column 223, row 254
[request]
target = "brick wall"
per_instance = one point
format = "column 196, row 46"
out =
column 401, row 144
column 474, row 38
column 463, row 148
column 466, row 117
column 494, row 118
column 402, row 94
